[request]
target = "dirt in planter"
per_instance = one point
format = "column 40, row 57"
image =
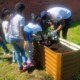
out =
column 56, row 46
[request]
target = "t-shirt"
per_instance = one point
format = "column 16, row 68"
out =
column 16, row 22
column 34, row 27
column 31, row 28
column 58, row 13
column 5, row 28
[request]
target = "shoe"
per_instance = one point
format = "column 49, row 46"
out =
column 22, row 70
column 13, row 61
column 25, row 66
column 30, row 64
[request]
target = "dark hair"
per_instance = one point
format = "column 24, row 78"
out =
column 5, row 11
column 37, row 19
column 19, row 7
column 43, row 14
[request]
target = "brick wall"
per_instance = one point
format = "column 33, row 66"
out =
column 36, row 6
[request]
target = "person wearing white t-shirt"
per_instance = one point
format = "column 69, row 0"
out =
column 16, row 36
column 6, row 14
column 61, row 18
column 30, row 29
column 5, row 17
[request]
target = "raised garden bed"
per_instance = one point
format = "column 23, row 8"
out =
column 61, row 60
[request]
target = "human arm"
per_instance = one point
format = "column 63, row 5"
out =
column 42, row 37
column 60, row 27
column 22, row 24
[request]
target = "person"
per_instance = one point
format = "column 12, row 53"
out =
column 5, row 19
column 61, row 18
column 2, row 40
column 16, row 35
column 30, row 30
column 6, row 13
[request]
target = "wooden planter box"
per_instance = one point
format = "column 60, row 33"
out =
column 59, row 66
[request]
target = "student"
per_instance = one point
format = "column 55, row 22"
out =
column 2, row 40
column 16, row 37
column 6, row 13
column 61, row 18
column 5, row 22
column 30, row 29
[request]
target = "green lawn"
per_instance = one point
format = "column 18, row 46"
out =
column 74, row 32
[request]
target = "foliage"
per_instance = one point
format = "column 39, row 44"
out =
column 77, row 77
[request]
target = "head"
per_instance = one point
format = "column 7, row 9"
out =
column 37, row 19
column 45, row 15
column 5, row 13
column 19, row 7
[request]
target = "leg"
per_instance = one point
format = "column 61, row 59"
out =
column 13, row 57
column 64, row 32
column 17, row 55
column 20, row 57
column 23, row 56
column 17, row 51
column 29, row 51
column 6, row 50
column 65, row 29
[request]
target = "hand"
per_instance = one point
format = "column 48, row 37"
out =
column 54, row 33
column 25, row 45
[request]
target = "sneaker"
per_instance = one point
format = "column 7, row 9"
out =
column 25, row 66
column 30, row 64
column 13, row 61
column 22, row 70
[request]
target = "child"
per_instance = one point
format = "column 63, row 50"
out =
column 5, row 25
column 2, row 40
column 16, row 37
column 29, row 30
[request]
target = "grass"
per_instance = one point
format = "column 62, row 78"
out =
column 9, row 71
column 74, row 32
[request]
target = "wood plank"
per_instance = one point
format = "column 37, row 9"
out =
column 51, row 54
column 53, row 76
column 50, row 62
column 59, row 66
column 51, row 66
column 50, row 70
column 71, row 63
column 53, row 60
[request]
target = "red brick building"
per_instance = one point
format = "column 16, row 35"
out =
column 36, row 6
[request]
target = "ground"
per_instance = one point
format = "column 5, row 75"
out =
column 9, row 71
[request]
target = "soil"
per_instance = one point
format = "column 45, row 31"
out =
column 56, row 46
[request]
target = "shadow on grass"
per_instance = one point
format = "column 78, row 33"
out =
column 32, row 68
column 7, row 59
column 1, row 53
column 75, row 23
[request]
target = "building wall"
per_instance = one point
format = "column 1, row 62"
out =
column 36, row 6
